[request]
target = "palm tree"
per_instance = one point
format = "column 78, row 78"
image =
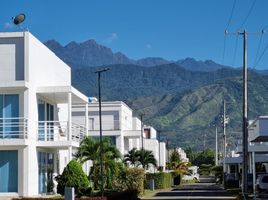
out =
column 90, row 150
column 146, row 158
column 132, row 157
column 141, row 157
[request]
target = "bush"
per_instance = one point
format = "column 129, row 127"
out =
column 205, row 169
column 73, row 176
column 218, row 172
column 130, row 179
column 161, row 180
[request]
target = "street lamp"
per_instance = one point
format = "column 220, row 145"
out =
column 101, row 147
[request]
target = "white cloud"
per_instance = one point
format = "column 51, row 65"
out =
column 8, row 25
column 111, row 38
column 148, row 46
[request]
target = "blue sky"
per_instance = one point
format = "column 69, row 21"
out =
column 172, row 29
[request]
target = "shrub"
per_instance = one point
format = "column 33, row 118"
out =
column 73, row 176
column 130, row 179
column 161, row 180
column 218, row 172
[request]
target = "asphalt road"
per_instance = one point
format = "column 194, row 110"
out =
column 206, row 189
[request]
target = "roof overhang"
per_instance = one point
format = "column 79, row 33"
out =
column 59, row 94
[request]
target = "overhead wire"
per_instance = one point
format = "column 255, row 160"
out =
column 248, row 14
column 227, row 26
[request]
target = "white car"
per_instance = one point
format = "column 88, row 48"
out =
column 190, row 177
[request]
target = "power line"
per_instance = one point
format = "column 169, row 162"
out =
column 247, row 16
column 235, row 50
column 258, row 50
column 227, row 26
column 231, row 15
column 262, row 54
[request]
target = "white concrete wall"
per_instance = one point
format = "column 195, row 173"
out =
column 11, row 59
column 45, row 68
column 152, row 145
column 162, row 154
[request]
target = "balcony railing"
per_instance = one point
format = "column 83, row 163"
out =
column 13, row 128
column 107, row 125
column 58, row 131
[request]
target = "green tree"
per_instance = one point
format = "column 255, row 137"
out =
column 190, row 154
column 146, row 158
column 132, row 157
column 90, row 150
column 205, row 157
column 72, row 176
column 175, row 162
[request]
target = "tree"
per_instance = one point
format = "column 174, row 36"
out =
column 146, row 158
column 175, row 162
column 72, row 176
column 90, row 150
column 205, row 157
column 141, row 157
column 132, row 157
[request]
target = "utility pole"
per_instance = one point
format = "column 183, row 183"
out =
column 159, row 134
column 245, row 117
column 216, row 147
column 224, row 135
column 245, row 111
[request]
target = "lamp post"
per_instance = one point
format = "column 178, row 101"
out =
column 101, row 146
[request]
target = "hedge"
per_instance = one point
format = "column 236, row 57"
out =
column 130, row 179
column 161, row 180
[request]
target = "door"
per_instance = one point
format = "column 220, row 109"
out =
column 45, row 121
column 9, row 171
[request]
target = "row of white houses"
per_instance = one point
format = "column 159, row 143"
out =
column 257, row 150
column 43, row 118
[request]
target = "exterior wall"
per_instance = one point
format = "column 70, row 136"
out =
column 26, row 64
column 152, row 145
column 43, row 63
column 162, row 154
column 11, row 59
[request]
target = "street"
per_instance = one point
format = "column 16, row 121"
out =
column 205, row 189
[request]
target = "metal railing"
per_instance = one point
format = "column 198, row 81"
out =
column 106, row 125
column 58, row 131
column 13, row 128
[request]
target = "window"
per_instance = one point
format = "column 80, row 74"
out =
column 9, row 113
column 8, row 171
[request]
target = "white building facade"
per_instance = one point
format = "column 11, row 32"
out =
column 119, row 124
column 37, row 135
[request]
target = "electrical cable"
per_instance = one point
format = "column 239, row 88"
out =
column 247, row 16
column 227, row 26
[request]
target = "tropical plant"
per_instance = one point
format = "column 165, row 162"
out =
column 132, row 157
column 142, row 157
column 90, row 150
column 175, row 162
column 146, row 158
column 72, row 176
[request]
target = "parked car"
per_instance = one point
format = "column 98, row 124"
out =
column 192, row 174
column 262, row 182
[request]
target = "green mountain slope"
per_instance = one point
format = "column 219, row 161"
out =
column 186, row 119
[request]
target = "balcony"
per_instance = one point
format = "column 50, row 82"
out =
column 107, row 125
column 13, row 128
column 58, row 131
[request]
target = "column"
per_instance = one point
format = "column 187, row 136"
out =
column 86, row 118
column 253, row 172
column 70, row 125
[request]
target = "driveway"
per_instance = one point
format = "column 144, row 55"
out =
column 203, row 190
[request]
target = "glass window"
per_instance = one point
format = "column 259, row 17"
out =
column 8, row 171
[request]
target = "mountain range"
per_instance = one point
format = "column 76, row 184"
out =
column 92, row 54
column 182, row 99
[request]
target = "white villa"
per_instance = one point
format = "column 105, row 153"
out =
column 257, row 149
column 37, row 135
column 119, row 124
